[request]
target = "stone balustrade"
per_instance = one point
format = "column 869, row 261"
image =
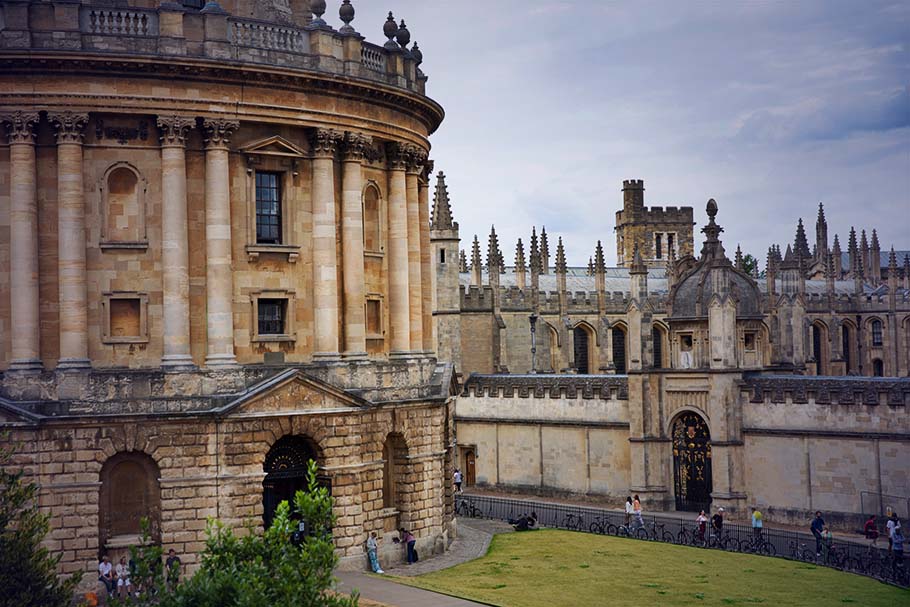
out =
column 607, row 387
column 828, row 390
column 170, row 32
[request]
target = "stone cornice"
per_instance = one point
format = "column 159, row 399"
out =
column 218, row 132
column 428, row 111
column 828, row 390
column 69, row 126
column 603, row 387
column 174, row 130
column 20, row 126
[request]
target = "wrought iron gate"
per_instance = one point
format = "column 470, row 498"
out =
column 692, row 463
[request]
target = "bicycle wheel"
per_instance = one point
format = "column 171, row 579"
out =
column 768, row 549
column 682, row 538
column 642, row 533
column 622, row 531
column 731, row 544
column 666, row 536
column 612, row 529
column 596, row 527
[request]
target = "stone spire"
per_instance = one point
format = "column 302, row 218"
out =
column 864, row 254
column 520, row 265
column 638, row 273
column 875, row 261
column 830, row 275
column 712, row 249
column 837, row 255
column 544, row 252
column 494, row 255
column 671, row 268
column 771, row 270
column 801, row 245
column 535, row 264
column 852, row 250
column 476, row 264
column 907, row 272
column 590, row 266
column 441, row 218
column 462, row 262
column 738, row 259
column 892, row 280
column 599, row 268
column 821, row 233
column 560, row 257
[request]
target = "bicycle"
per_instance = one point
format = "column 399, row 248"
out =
column 466, row 508
column 799, row 552
column 599, row 525
column 696, row 537
column 757, row 544
column 573, row 522
column 657, row 532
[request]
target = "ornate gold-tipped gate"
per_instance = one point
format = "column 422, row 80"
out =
column 692, row 462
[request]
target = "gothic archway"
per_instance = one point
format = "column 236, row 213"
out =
column 691, row 462
column 285, row 470
column 581, row 341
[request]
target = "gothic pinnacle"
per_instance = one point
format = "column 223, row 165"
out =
column 535, row 253
column 475, row 253
column 441, row 218
column 801, row 245
column 599, row 265
column 590, row 266
column 560, row 257
column 544, row 252
column 738, row 259
column 519, row 257
column 494, row 260
column 462, row 262
column 875, row 246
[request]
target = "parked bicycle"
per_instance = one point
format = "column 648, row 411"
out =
column 655, row 532
column 695, row 537
column 467, row 508
column 758, row 545
column 573, row 522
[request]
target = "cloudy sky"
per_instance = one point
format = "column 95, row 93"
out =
column 768, row 107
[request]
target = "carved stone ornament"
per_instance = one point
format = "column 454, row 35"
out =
column 325, row 142
column 416, row 158
column 21, row 126
column 398, row 155
column 218, row 131
column 355, row 146
column 121, row 134
column 427, row 171
column 174, row 129
column 69, row 126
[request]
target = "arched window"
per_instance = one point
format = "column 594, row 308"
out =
column 554, row 349
column 876, row 332
column 394, row 467
column 583, row 341
column 619, row 349
column 123, row 202
column 129, row 493
column 657, row 339
column 372, row 235
column 818, row 349
column 878, row 368
column 847, row 347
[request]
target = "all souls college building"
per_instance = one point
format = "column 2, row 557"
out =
column 219, row 260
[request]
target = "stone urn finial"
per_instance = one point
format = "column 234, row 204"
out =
column 390, row 29
column 346, row 12
column 416, row 54
column 318, row 8
column 403, row 36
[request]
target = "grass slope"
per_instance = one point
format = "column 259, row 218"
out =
column 551, row 568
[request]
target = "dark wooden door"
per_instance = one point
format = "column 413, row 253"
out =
column 469, row 468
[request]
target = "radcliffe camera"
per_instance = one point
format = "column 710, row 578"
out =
column 445, row 304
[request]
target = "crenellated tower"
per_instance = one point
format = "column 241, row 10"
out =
column 658, row 232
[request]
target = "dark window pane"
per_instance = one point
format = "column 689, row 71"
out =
column 272, row 314
column 268, row 208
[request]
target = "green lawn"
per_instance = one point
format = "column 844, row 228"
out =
column 550, row 568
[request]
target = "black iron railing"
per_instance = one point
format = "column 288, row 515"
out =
column 855, row 557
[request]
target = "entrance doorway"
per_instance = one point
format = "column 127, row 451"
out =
column 692, row 463
column 470, row 468
column 286, row 473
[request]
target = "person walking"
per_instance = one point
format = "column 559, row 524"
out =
column 701, row 522
column 409, row 542
column 717, row 525
column 870, row 530
column 827, row 542
column 757, row 523
column 636, row 509
column 894, row 524
column 106, row 575
column 897, row 548
column 630, row 510
column 372, row 552
column 457, row 478
column 817, row 526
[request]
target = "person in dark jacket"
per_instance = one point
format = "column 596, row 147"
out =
column 817, row 527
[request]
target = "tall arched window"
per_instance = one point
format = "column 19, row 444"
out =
column 372, row 234
column 847, row 347
column 657, row 339
column 619, row 349
column 819, row 351
column 129, row 493
column 583, row 341
column 876, row 332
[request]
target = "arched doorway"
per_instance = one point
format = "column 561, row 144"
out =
column 691, row 462
column 285, row 472
column 619, row 350
column 582, row 349
column 129, row 493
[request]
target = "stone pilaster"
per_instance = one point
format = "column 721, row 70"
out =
column 24, row 311
column 355, row 344
column 426, row 271
column 325, row 259
column 71, row 269
column 219, row 284
column 399, row 304
column 174, row 242
column 416, row 158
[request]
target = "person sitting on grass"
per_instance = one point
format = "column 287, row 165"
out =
column 525, row 523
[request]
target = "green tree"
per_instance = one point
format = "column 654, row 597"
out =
column 28, row 571
column 252, row 569
column 750, row 264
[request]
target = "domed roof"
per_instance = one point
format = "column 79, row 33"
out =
column 714, row 275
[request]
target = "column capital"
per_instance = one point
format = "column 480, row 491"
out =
column 426, row 173
column 174, row 129
column 20, row 126
column 69, row 127
column 417, row 158
column 325, row 142
column 218, row 132
column 406, row 156
column 355, row 146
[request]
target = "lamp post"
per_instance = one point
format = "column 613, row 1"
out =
column 533, row 319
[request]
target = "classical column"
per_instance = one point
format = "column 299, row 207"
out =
column 355, row 344
column 71, row 241
column 174, row 242
column 325, row 259
column 426, row 271
column 415, row 295
column 25, row 330
column 219, row 283
column 399, row 313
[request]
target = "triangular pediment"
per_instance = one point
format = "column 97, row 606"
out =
column 292, row 392
column 273, row 146
column 10, row 413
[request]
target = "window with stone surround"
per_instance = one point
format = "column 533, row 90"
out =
column 876, row 333
column 122, row 190
column 268, row 208
column 125, row 317
column 372, row 219
column 374, row 317
column 658, row 246
column 273, row 316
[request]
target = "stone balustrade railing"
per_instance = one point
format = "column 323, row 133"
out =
column 606, row 387
column 895, row 391
column 171, row 31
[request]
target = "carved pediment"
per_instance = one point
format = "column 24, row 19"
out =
column 273, row 146
column 12, row 414
column 292, row 392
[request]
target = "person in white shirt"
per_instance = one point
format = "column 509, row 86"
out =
column 893, row 526
column 124, row 588
column 106, row 575
column 457, row 480
column 629, row 511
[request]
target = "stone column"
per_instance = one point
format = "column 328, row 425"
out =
column 219, row 282
column 426, row 271
column 25, row 329
column 415, row 294
column 325, row 258
column 355, row 343
column 399, row 305
column 174, row 242
column 71, row 241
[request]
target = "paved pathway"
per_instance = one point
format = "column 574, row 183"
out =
column 474, row 536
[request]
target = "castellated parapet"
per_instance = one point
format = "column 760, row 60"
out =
column 657, row 231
